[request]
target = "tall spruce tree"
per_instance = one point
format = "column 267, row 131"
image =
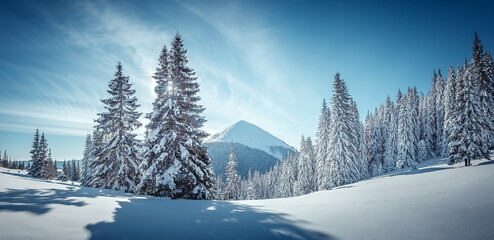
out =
column 232, row 187
column 438, row 92
column 343, row 169
column 407, row 131
column 390, row 144
column 449, row 103
column 176, row 164
column 484, row 87
column 86, row 162
column 322, row 146
column 37, row 164
column 117, row 165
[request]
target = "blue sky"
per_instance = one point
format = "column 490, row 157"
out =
column 267, row 62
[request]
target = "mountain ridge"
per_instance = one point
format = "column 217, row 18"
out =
column 252, row 136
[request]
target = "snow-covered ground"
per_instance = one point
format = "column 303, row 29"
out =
column 437, row 201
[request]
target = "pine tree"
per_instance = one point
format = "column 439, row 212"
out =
column 304, row 183
column 361, row 162
column 489, row 91
column 422, row 151
column 322, row 146
column 117, row 166
column 232, row 187
column 439, row 108
column 36, row 166
column 483, row 86
column 474, row 121
column 5, row 159
column 407, row 131
column 449, row 103
column 426, row 124
column 95, row 153
column 457, row 149
column 42, row 157
column 173, row 152
column 343, row 151
column 75, row 171
column 86, row 164
column 65, row 172
column 250, row 187
column 219, row 188
column 391, row 142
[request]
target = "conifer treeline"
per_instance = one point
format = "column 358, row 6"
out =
column 455, row 120
column 8, row 162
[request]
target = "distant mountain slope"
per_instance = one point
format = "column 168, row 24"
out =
column 247, row 157
column 252, row 136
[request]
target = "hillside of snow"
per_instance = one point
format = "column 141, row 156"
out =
column 252, row 136
column 437, row 201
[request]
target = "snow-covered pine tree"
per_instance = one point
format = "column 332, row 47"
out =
column 368, row 126
column 390, row 137
column 305, row 176
column 250, row 187
column 117, row 165
column 232, row 186
column 433, row 112
column 75, row 171
column 474, row 121
column 362, row 163
column 37, row 164
column 439, row 107
column 175, row 162
column 426, row 123
column 457, row 146
column 377, row 143
column 485, row 88
column 285, row 188
column 407, row 128
column 219, row 186
column 422, row 151
column 489, row 72
column 96, row 149
column 449, row 101
column 65, row 174
column 344, row 148
column 86, row 169
column 42, row 156
column 50, row 169
column 322, row 145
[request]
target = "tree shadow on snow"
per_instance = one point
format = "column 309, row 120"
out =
column 155, row 218
column 36, row 201
column 419, row 171
column 486, row 163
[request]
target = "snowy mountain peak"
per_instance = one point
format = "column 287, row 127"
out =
column 252, row 136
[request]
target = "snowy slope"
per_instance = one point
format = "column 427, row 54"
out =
column 252, row 136
column 437, row 201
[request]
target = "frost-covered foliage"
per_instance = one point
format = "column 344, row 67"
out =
column 407, row 130
column 306, row 181
column 42, row 162
column 232, row 188
column 343, row 153
column 86, row 161
column 116, row 166
column 37, row 163
column 175, row 163
column 322, row 145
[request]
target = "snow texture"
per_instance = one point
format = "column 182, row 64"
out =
column 427, row 203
